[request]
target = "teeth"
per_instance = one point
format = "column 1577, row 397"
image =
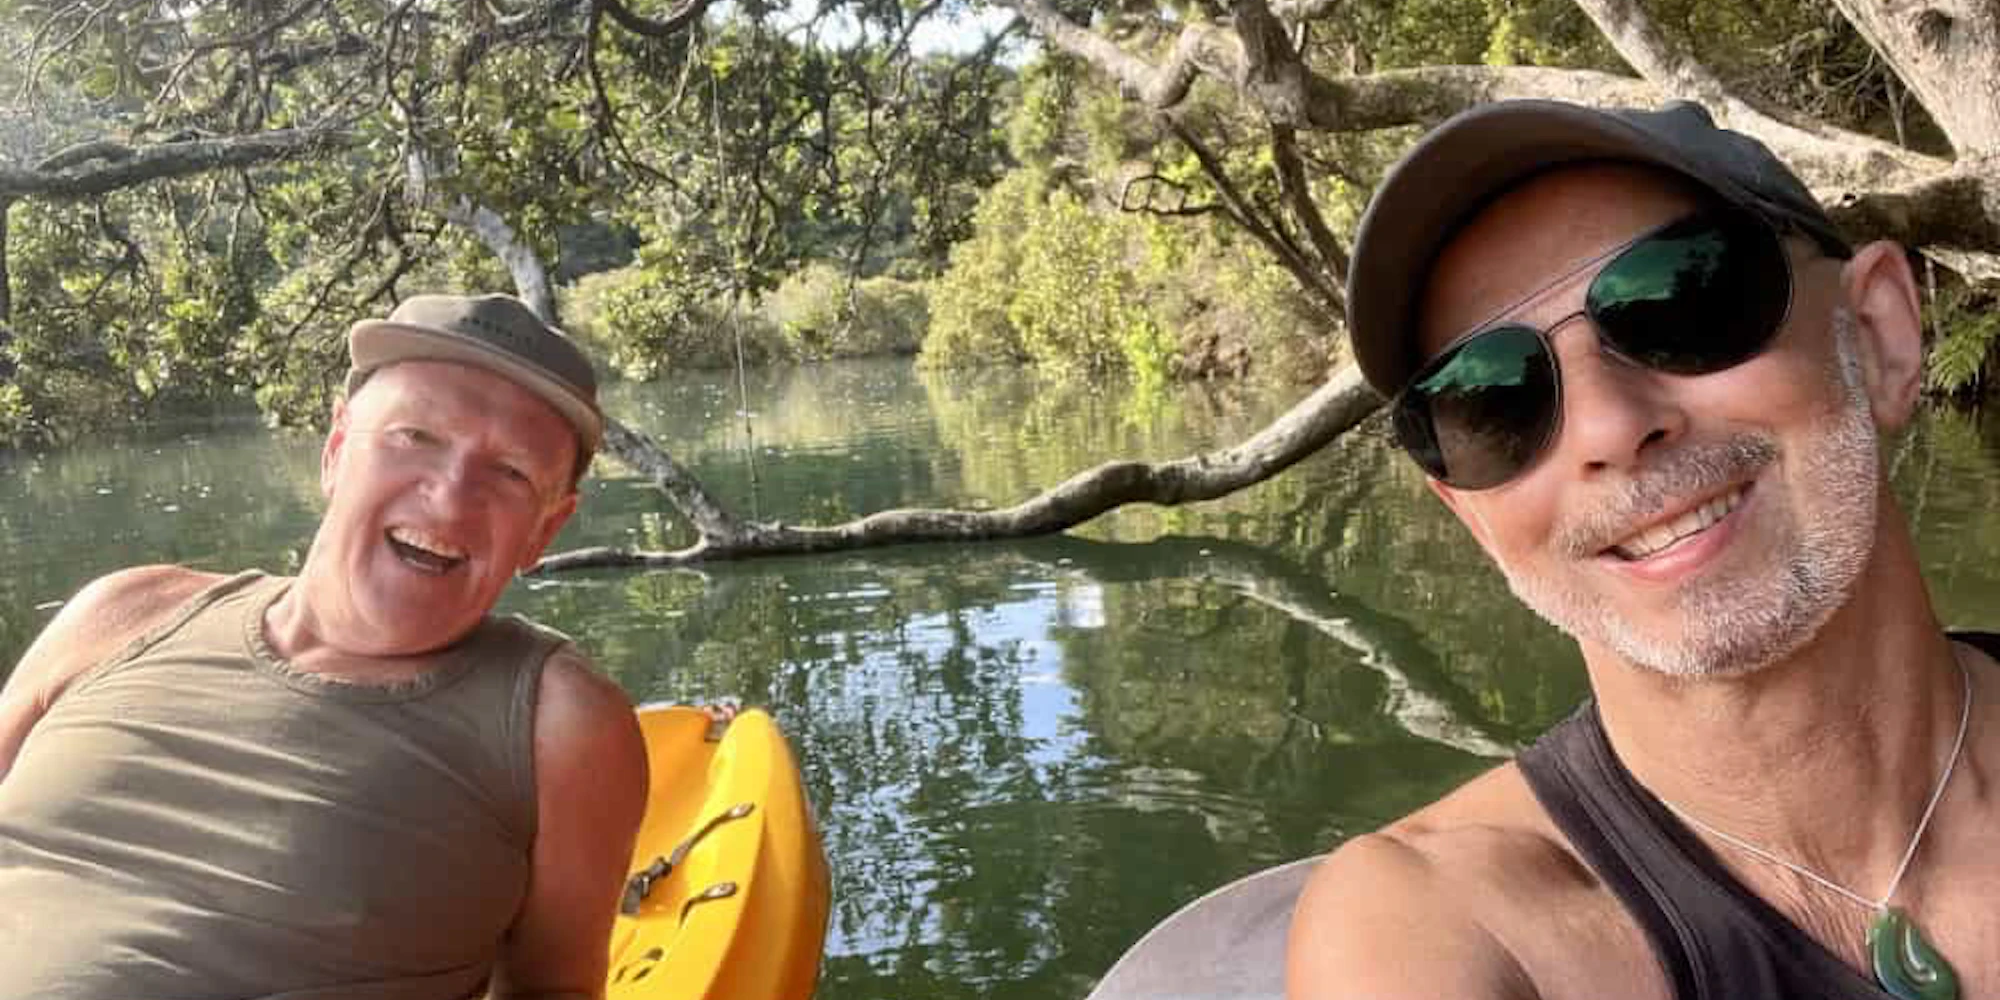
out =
column 418, row 539
column 1658, row 537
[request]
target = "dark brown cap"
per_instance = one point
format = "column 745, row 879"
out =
column 1460, row 166
column 496, row 332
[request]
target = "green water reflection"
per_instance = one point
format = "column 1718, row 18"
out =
column 1022, row 755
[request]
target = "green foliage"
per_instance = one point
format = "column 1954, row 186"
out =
column 1073, row 304
column 1053, row 281
column 971, row 300
column 103, row 330
column 1393, row 34
column 1968, row 327
column 650, row 318
column 16, row 416
column 1038, row 128
column 737, row 151
column 1545, row 33
column 1422, row 32
column 822, row 314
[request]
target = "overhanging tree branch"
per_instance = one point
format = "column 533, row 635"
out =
column 1358, row 103
column 1953, row 212
column 1292, row 183
column 1301, row 11
column 676, row 21
column 1156, row 87
column 1338, row 405
column 6, row 279
column 1426, row 95
column 1147, row 185
column 1885, row 184
column 1835, row 162
column 1945, row 51
column 103, row 166
column 1323, row 286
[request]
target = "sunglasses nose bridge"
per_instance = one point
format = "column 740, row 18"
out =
column 1549, row 332
column 1613, row 409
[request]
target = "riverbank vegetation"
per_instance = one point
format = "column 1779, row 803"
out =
column 196, row 201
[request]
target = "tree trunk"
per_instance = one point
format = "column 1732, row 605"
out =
column 6, row 295
column 6, row 278
column 1948, row 53
column 531, row 277
column 1836, row 164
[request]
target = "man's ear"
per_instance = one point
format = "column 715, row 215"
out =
column 1882, row 293
column 329, row 453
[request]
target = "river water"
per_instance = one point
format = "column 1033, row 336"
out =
column 1021, row 755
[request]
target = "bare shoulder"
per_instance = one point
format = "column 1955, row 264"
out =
column 590, row 792
column 576, row 701
column 585, row 728
column 1412, row 910
column 103, row 617
column 1477, row 895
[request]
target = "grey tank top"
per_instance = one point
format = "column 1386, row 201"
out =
column 195, row 820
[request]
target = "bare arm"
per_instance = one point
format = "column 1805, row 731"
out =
column 1377, row 922
column 100, row 620
column 590, row 792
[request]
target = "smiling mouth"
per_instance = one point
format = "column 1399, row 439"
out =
column 425, row 551
column 1660, row 537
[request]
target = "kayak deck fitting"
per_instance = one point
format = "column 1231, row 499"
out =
column 729, row 893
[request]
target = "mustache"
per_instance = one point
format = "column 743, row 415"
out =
column 1688, row 471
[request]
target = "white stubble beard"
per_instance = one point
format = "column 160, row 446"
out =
column 1737, row 625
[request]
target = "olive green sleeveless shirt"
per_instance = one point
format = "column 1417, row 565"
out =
column 195, row 820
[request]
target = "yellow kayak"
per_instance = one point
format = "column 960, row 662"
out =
column 729, row 893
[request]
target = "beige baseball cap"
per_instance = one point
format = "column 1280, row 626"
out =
column 496, row 332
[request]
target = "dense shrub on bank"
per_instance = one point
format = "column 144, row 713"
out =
column 820, row 313
column 99, row 333
column 1056, row 281
column 643, row 322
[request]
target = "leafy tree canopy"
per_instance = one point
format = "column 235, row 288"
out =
column 203, row 197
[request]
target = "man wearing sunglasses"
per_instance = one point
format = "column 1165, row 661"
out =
column 1634, row 356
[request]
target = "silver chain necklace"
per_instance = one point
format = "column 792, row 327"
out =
column 1906, row 964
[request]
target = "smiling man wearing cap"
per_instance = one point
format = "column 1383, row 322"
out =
column 357, row 783
column 1635, row 358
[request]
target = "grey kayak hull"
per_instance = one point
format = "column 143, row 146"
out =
column 1227, row 945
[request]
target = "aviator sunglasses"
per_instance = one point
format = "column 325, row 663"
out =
column 1700, row 294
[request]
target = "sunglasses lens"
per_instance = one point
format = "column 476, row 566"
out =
column 1698, row 296
column 1476, row 415
column 1695, row 297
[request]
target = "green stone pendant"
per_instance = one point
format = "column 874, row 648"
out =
column 1905, row 963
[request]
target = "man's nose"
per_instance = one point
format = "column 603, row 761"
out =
column 453, row 485
column 1615, row 412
